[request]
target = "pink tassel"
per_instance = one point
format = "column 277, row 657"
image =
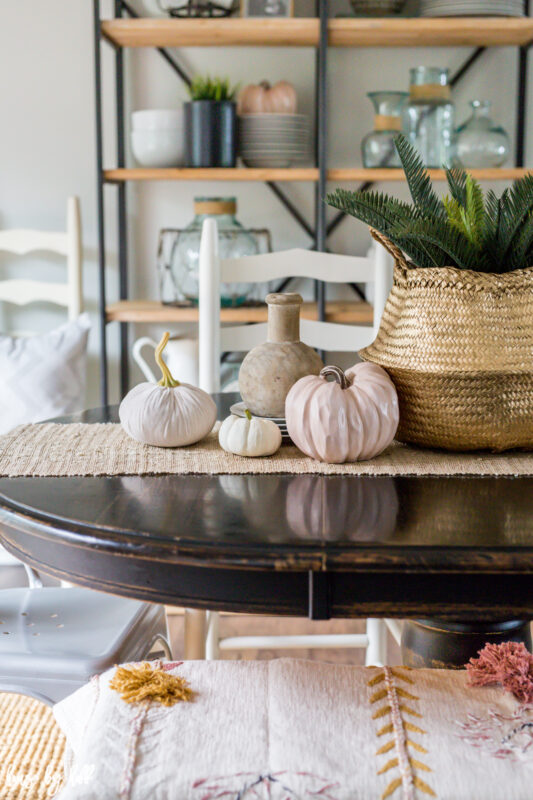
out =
column 509, row 664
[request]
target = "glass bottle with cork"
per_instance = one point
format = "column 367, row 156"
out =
column 430, row 115
column 378, row 146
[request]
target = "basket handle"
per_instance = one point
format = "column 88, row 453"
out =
column 391, row 248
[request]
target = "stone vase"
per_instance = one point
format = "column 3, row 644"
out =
column 270, row 369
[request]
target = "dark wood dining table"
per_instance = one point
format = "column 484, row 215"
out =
column 453, row 555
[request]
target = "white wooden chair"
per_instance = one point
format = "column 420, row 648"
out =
column 22, row 241
column 322, row 335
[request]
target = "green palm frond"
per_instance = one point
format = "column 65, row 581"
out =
column 449, row 247
column 516, row 206
column 521, row 254
column 427, row 203
column 464, row 230
column 453, row 210
column 373, row 208
column 456, row 178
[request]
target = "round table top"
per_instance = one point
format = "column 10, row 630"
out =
column 136, row 535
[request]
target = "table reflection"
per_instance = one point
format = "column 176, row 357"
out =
column 314, row 507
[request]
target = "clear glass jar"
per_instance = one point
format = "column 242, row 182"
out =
column 479, row 142
column 233, row 241
column 430, row 115
column 378, row 146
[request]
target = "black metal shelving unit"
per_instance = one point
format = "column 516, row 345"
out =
column 318, row 231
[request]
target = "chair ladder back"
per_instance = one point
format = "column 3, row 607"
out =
column 68, row 244
column 326, row 336
column 298, row 263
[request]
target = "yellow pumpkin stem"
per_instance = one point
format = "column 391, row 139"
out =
column 248, row 414
column 167, row 380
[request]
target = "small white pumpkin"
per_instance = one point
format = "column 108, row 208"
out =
column 249, row 436
column 168, row 413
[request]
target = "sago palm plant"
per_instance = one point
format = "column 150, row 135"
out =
column 464, row 230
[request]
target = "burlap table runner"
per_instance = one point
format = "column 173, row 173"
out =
column 50, row 449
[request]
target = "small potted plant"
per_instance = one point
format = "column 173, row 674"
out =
column 456, row 334
column 211, row 123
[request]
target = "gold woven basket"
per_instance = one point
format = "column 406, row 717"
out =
column 458, row 345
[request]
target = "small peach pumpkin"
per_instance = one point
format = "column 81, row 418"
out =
column 263, row 98
column 352, row 418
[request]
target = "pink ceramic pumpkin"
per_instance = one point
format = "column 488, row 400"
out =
column 263, row 98
column 352, row 418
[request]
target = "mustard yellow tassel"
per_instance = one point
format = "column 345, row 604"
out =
column 143, row 682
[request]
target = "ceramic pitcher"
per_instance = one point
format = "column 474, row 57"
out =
column 180, row 354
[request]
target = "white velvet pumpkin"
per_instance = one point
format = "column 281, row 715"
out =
column 265, row 99
column 249, row 436
column 168, row 413
column 352, row 418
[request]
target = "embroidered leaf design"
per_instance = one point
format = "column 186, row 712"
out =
column 416, row 746
column 419, row 765
column 382, row 712
column 386, row 748
column 397, row 727
column 391, row 788
column 401, row 677
column 393, row 762
column 389, row 728
column 408, row 710
column 420, row 784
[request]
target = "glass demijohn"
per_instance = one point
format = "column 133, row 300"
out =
column 479, row 142
column 430, row 115
column 234, row 241
column 378, row 146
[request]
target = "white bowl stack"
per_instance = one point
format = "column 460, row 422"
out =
column 274, row 140
column 471, row 8
column 157, row 137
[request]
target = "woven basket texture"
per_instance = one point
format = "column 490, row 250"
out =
column 459, row 347
column 32, row 746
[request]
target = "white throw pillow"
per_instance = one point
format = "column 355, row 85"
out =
column 43, row 376
column 281, row 729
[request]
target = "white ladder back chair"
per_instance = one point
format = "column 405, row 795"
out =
column 295, row 263
column 68, row 244
column 22, row 292
column 202, row 631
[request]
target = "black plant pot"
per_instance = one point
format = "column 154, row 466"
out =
column 210, row 133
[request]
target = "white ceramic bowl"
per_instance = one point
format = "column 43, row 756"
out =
column 163, row 148
column 156, row 119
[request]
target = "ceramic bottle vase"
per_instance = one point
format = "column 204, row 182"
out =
column 270, row 369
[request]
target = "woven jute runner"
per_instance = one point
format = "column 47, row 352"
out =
column 51, row 450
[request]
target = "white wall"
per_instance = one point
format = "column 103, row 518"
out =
column 47, row 137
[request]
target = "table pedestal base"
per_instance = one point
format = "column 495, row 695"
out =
column 450, row 645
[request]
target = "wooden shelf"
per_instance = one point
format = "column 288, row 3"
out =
column 335, row 175
column 150, row 311
column 384, row 175
column 303, row 32
column 419, row 32
column 211, row 174
column 295, row 32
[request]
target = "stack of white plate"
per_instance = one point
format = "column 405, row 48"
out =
column 274, row 140
column 471, row 8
